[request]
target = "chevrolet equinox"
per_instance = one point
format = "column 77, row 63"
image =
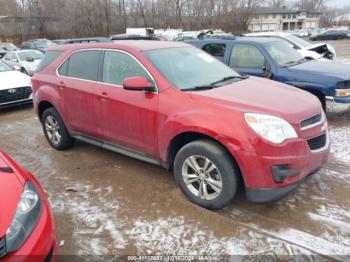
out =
column 174, row 105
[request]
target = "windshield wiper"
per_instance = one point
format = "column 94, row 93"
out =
column 198, row 88
column 214, row 84
column 228, row 78
column 291, row 63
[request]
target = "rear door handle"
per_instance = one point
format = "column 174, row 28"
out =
column 104, row 94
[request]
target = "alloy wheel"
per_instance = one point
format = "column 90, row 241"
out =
column 53, row 130
column 202, row 177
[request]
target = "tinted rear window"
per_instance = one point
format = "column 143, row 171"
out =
column 82, row 65
column 49, row 57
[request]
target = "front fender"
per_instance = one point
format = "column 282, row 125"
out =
column 218, row 127
column 310, row 87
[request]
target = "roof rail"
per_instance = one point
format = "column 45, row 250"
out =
column 87, row 40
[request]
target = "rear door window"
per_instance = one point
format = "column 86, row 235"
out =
column 216, row 50
column 82, row 65
column 246, row 56
column 118, row 66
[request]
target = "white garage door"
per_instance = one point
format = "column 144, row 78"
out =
column 272, row 27
column 265, row 27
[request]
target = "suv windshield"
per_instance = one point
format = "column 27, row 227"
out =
column 297, row 40
column 188, row 68
column 25, row 55
column 283, row 54
column 4, row 67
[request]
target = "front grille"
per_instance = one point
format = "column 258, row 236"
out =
column 3, row 250
column 15, row 94
column 318, row 142
column 310, row 121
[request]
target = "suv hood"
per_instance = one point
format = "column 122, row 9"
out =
column 322, row 68
column 260, row 95
column 10, row 194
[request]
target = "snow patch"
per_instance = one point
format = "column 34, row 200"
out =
column 91, row 219
column 165, row 236
column 340, row 148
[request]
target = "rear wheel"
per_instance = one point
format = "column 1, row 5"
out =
column 55, row 130
column 206, row 174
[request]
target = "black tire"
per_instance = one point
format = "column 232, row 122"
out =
column 65, row 141
column 225, row 166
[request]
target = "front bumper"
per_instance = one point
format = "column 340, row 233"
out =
column 16, row 103
column 41, row 243
column 271, row 171
column 268, row 195
column 338, row 105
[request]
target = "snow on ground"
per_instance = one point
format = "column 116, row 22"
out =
column 340, row 147
column 166, row 235
column 92, row 218
column 343, row 60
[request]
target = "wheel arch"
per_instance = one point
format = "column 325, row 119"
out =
column 42, row 106
column 182, row 139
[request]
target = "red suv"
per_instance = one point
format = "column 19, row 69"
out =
column 173, row 105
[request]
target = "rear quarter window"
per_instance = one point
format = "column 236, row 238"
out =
column 49, row 57
column 82, row 65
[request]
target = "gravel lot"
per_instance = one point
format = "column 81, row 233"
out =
column 107, row 204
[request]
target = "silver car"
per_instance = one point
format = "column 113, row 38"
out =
column 25, row 61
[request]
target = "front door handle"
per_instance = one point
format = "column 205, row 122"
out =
column 104, row 94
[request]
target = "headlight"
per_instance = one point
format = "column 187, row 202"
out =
column 26, row 217
column 343, row 88
column 272, row 128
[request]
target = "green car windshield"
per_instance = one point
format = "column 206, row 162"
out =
column 187, row 68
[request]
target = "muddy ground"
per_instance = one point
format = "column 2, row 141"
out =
column 107, row 204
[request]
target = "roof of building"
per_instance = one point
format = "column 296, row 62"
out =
column 279, row 10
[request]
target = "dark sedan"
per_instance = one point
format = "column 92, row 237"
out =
column 331, row 35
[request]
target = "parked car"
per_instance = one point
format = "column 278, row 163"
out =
column 301, row 32
column 306, row 49
column 173, row 105
column 15, row 87
column 5, row 47
column 133, row 37
column 277, row 60
column 38, row 44
column 26, row 61
column 330, row 35
column 26, row 225
column 59, row 41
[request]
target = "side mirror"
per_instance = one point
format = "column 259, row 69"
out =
column 138, row 83
column 266, row 71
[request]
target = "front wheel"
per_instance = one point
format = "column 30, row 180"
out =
column 55, row 130
column 206, row 174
